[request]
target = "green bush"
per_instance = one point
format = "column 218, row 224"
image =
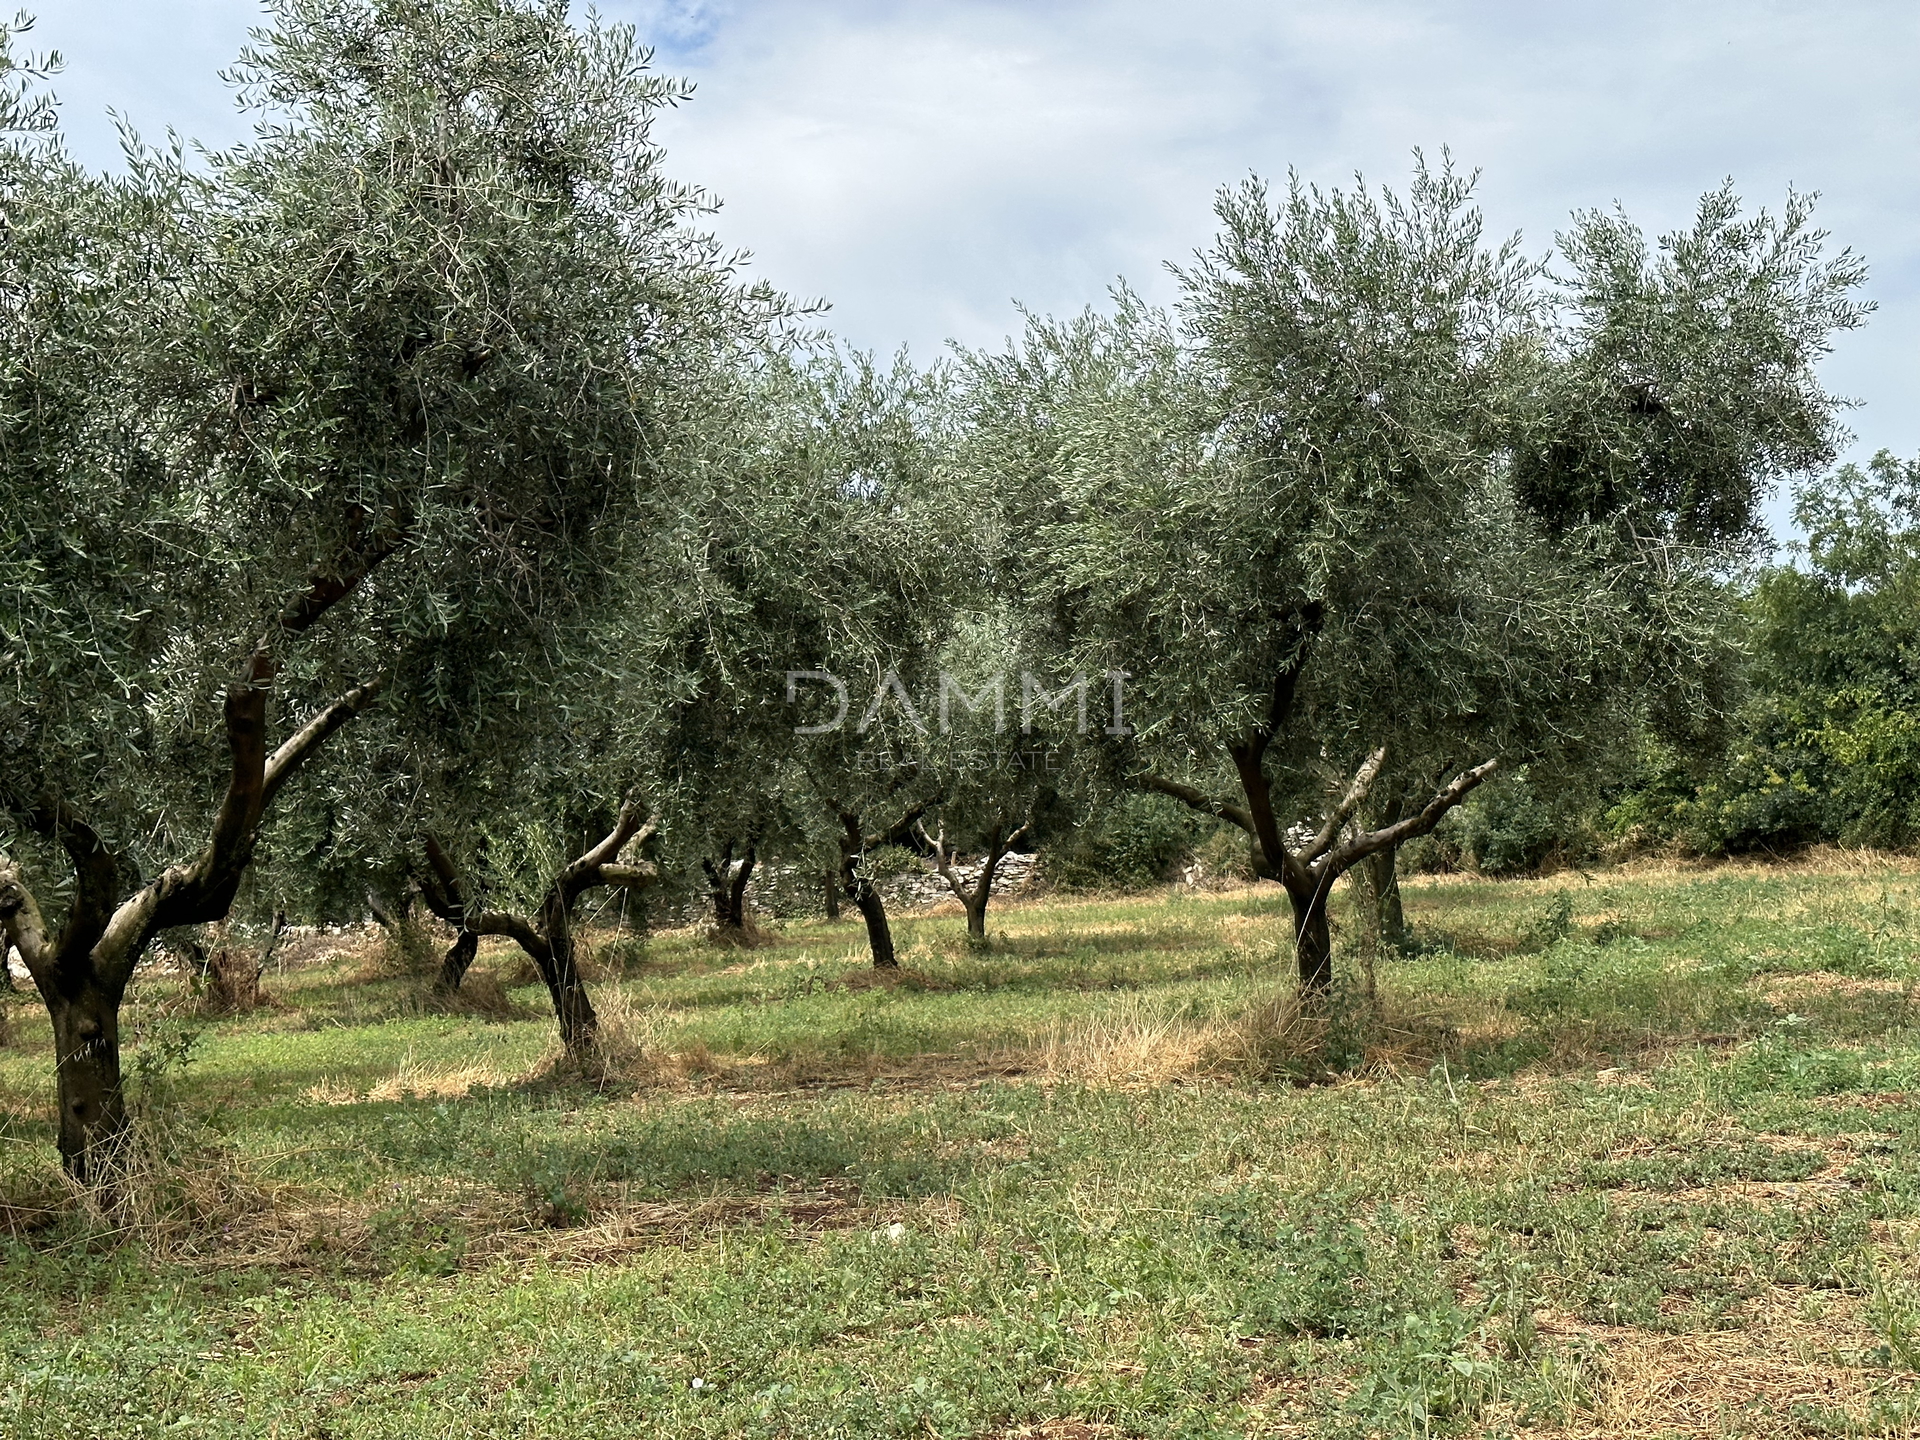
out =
column 1223, row 853
column 1827, row 743
column 1511, row 826
column 1131, row 842
column 1656, row 806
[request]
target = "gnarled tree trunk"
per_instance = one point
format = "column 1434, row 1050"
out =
column 93, row 1107
column 1312, row 938
column 865, row 895
column 572, row 1007
column 867, row 900
column 1381, row 877
column 974, row 898
column 445, row 894
column 83, row 971
column 1308, row 873
column 458, row 960
column 727, row 891
column 550, row 943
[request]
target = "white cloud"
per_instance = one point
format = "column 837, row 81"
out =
column 923, row 165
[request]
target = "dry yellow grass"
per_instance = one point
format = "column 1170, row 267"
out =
column 412, row 1079
column 1746, row 1380
column 1140, row 1043
column 1862, row 867
column 1133, row 1044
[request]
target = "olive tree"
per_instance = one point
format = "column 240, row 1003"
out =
column 1340, row 517
column 1011, row 745
column 523, row 876
column 276, row 432
column 812, row 571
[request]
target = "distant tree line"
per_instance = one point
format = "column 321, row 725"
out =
column 1817, row 739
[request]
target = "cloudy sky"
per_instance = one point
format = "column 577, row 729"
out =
column 923, row 166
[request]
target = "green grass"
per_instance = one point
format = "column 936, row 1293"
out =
column 1642, row 1161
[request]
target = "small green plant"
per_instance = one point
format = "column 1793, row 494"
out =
column 1551, row 927
column 557, row 1196
column 1312, row 1279
column 1427, row 1371
column 1894, row 1312
column 162, row 1050
column 409, row 1237
column 406, row 951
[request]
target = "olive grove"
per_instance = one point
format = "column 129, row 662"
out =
column 339, row 417
column 412, row 504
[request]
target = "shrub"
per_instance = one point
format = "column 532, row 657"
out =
column 1657, row 807
column 1826, row 746
column 1222, row 855
column 1131, row 842
column 225, row 970
column 406, row 950
column 1512, row 826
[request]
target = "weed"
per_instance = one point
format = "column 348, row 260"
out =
column 1316, row 1279
column 171, row 1180
column 480, row 994
column 556, row 1197
column 1893, row 1310
column 1428, row 1370
column 406, row 951
column 1552, row 926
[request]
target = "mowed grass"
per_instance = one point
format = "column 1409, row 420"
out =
column 1628, row 1153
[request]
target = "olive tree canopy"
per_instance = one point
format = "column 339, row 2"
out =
column 1340, row 518
column 815, row 555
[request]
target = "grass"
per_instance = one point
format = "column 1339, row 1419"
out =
column 1628, row 1154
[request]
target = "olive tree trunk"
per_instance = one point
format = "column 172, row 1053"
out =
column 873, row 910
column 727, row 890
column 549, row 940
column 445, row 893
column 1340, row 843
column 1383, row 884
column 855, row 842
column 93, row 1107
column 458, row 960
column 974, row 897
column 82, row 971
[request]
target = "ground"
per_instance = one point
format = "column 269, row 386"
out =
column 1616, row 1154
